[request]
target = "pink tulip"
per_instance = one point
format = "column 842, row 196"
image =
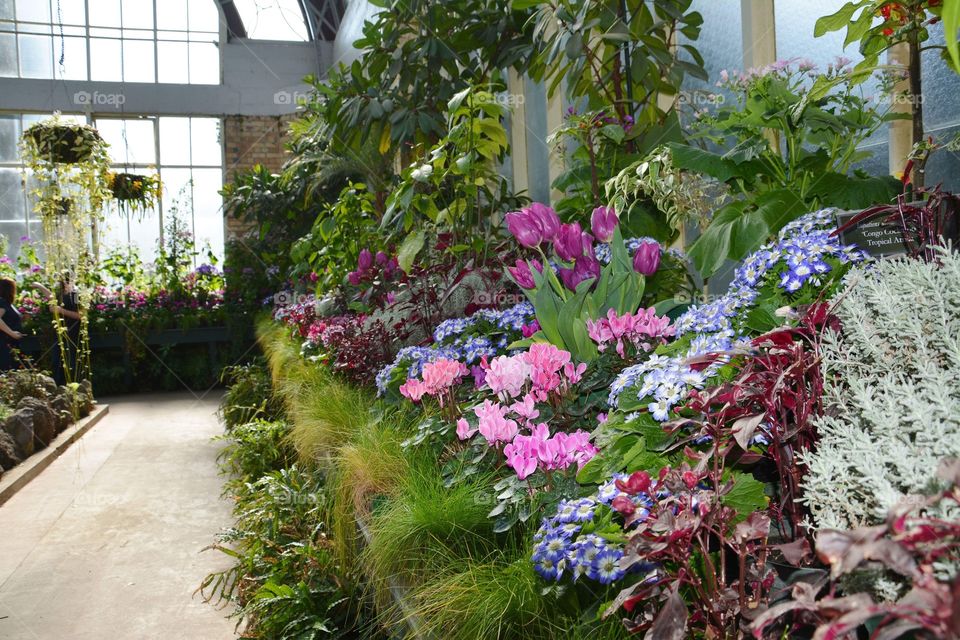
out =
column 522, row 275
column 546, row 217
column 569, row 241
column 525, row 228
column 646, row 260
column 603, row 222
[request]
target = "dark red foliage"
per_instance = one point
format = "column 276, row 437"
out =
column 909, row 544
column 354, row 346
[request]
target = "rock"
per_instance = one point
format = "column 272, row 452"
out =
column 47, row 384
column 86, row 397
column 19, row 426
column 63, row 409
column 44, row 421
column 8, row 452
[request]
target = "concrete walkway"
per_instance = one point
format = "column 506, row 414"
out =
column 106, row 542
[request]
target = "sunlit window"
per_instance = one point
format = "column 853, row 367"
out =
column 171, row 41
column 272, row 19
column 186, row 152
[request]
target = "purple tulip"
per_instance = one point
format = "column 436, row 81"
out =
column 546, row 217
column 381, row 258
column 522, row 275
column 365, row 261
column 354, row 278
column 569, row 241
column 603, row 222
column 586, row 268
column 646, row 260
column 525, row 228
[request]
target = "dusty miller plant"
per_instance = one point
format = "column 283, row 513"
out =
column 891, row 393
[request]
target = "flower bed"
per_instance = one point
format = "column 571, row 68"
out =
column 659, row 468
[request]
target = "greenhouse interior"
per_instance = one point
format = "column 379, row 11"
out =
column 480, row 319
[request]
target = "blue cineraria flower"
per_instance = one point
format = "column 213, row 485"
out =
column 605, row 568
column 548, row 568
column 608, row 490
column 584, row 510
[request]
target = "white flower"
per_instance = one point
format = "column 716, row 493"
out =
column 422, row 173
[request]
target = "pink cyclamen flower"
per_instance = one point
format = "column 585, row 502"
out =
column 526, row 408
column 507, row 375
column 603, row 222
column 442, row 374
column 494, row 425
column 464, row 430
column 413, row 389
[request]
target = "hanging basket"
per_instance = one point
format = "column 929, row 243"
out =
column 130, row 186
column 64, row 144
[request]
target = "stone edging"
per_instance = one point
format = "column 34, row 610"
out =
column 18, row 477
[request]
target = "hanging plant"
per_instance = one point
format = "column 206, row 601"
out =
column 68, row 168
column 135, row 193
column 59, row 143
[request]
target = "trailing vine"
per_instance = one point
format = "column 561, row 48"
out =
column 67, row 166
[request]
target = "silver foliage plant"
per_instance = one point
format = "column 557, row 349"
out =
column 892, row 392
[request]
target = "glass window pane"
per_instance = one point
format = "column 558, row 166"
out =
column 36, row 56
column 131, row 141
column 204, row 63
column 205, row 141
column 74, row 58
column 173, row 15
column 137, row 14
column 105, row 60
column 6, row 9
column 11, row 195
column 104, row 13
column 272, row 19
column 145, row 234
column 9, row 136
column 13, row 231
column 8, row 55
column 208, row 210
column 33, row 10
column 204, row 16
column 174, row 141
column 172, row 62
column 72, row 12
column 138, row 61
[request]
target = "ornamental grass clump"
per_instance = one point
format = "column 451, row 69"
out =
column 891, row 391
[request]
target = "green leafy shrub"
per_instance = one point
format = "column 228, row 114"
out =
column 285, row 580
column 255, row 449
column 249, row 395
column 891, row 393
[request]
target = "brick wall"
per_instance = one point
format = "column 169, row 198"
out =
column 248, row 141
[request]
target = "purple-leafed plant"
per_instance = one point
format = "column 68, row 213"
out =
column 922, row 548
column 705, row 560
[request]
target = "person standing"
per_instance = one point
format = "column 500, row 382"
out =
column 65, row 305
column 11, row 324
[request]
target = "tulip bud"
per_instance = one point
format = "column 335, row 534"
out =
column 522, row 275
column 646, row 260
column 569, row 242
column 603, row 222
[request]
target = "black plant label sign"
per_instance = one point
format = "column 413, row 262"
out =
column 878, row 237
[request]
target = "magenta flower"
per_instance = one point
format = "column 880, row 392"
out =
column 381, row 258
column 354, row 277
column 525, row 228
column 546, row 217
column 646, row 260
column 365, row 261
column 464, row 430
column 494, row 425
column 603, row 222
column 507, row 375
column 522, row 274
column 528, row 330
column 569, row 241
